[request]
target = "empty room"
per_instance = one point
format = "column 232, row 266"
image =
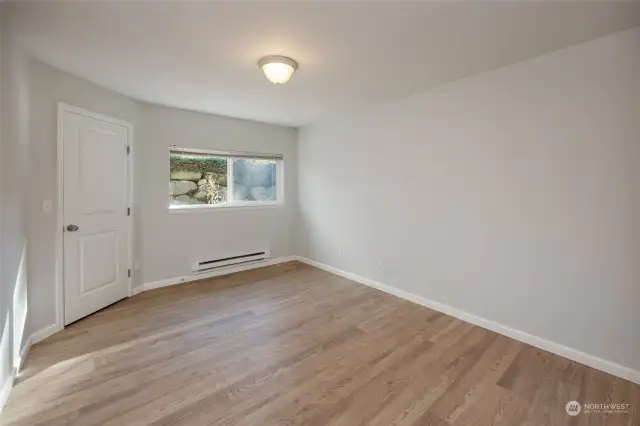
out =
column 320, row 213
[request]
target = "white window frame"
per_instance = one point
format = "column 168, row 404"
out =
column 233, row 205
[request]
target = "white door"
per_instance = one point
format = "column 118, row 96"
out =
column 96, row 227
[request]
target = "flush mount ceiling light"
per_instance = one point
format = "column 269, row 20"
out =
column 277, row 69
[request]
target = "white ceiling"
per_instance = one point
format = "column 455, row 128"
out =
column 202, row 56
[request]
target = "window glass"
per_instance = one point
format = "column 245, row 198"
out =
column 254, row 180
column 197, row 178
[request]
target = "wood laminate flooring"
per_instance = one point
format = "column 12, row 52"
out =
column 294, row 345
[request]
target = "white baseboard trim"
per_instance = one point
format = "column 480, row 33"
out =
column 547, row 345
column 54, row 328
column 6, row 388
column 10, row 380
column 225, row 271
column 24, row 352
column 539, row 342
column 43, row 333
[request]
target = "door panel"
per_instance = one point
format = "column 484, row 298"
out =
column 98, row 261
column 96, row 255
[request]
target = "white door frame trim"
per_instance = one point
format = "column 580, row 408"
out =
column 62, row 108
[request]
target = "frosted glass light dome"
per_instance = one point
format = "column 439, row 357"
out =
column 277, row 69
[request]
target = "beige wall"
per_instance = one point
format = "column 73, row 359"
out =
column 513, row 195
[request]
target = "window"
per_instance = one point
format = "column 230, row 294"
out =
column 209, row 179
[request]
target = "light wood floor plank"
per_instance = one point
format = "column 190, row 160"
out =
column 293, row 345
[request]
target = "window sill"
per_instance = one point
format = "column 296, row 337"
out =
column 201, row 208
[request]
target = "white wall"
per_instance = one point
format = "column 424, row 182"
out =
column 171, row 242
column 14, row 136
column 48, row 87
column 5, row 366
column 164, row 244
column 513, row 195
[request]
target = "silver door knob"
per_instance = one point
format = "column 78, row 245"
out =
column 72, row 228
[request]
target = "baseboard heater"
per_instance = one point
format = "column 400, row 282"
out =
column 209, row 265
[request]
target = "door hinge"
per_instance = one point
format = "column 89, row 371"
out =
column 129, row 273
column 128, row 149
column 128, row 211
